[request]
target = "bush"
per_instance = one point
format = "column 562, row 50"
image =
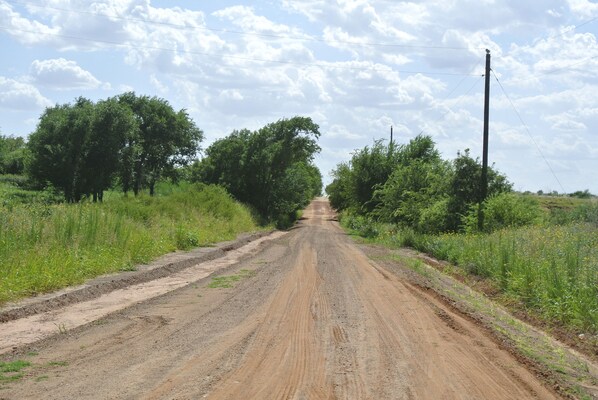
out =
column 434, row 219
column 503, row 211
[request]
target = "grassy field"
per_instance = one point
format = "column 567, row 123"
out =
column 550, row 270
column 45, row 246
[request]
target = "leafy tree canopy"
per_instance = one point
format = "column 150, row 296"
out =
column 271, row 168
column 411, row 185
column 81, row 148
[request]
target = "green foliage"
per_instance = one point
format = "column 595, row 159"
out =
column 552, row 271
column 80, row 148
column 339, row 190
column 434, row 217
column 11, row 195
column 165, row 139
column 585, row 194
column 410, row 189
column 465, row 189
column 11, row 371
column 505, row 210
column 46, row 247
column 410, row 185
column 370, row 167
column 228, row 281
column 12, row 155
column 361, row 225
column 270, row 169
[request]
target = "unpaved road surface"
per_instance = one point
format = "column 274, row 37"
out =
column 316, row 320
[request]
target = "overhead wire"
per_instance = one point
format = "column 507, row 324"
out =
column 460, row 98
column 231, row 56
column 241, row 32
column 571, row 29
column 528, row 132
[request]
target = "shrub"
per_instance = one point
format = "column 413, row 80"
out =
column 503, row 211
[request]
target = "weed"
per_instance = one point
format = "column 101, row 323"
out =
column 552, row 270
column 46, row 246
column 228, row 281
column 62, row 328
column 11, row 371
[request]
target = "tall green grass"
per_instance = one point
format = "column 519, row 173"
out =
column 44, row 247
column 552, row 270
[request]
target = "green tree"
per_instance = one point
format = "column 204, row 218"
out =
column 57, row 148
column 12, row 155
column 166, row 140
column 465, row 187
column 224, row 164
column 417, row 184
column 256, row 166
column 370, row 168
column 339, row 190
column 111, row 125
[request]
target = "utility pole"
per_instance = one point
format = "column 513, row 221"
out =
column 391, row 136
column 484, row 183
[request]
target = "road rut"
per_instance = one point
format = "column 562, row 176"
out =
column 318, row 320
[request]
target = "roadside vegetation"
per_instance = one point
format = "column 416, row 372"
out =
column 100, row 187
column 270, row 169
column 44, row 247
column 538, row 253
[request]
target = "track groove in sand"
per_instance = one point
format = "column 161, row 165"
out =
column 319, row 320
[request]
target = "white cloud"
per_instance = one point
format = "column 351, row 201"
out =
column 17, row 95
column 62, row 74
column 583, row 8
column 245, row 17
column 25, row 30
column 158, row 85
column 302, row 57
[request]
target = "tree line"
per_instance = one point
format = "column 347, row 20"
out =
column 131, row 142
column 270, row 169
column 85, row 148
column 412, row 186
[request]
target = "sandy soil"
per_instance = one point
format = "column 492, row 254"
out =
column 318, row 320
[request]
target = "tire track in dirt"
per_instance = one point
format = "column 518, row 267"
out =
column 287, row 341
column 319, row 320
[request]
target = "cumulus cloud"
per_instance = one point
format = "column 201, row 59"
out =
column 62, row 74
column 355, row 66
column 17, row 95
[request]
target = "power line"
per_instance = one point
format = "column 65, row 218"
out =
column 240, row 32
column 529, row 133
column 460, row 98
column 571, row 29
column 554, row 71
column 320, row 65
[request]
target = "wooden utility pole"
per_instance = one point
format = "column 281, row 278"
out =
column 484, row 183
column 391, row 136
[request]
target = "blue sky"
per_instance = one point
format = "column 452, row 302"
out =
column 355, row 66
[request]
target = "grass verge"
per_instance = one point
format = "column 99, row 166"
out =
column 549, row 272
column 45, row 247
column 572, row 375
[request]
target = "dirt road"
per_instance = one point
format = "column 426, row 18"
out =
column 316, row 320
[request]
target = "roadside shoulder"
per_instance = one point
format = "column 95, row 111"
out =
column 571, row 373
column 94, row 288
